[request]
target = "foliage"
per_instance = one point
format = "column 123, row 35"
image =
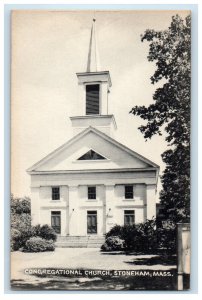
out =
column 141, row 237
column 138, row 237
column 20, row 205
column 38, row 244
column 21, row 229
column 20, row 222
column 171, row 50
column 116, row 230
column 113, row 243
column 45, row 231
column 148, row 237
column 15, row 237
column 19, row 239
column 167, row 240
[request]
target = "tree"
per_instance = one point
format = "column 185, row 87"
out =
column 171, row 51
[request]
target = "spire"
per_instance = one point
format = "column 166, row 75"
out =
column 93, row 57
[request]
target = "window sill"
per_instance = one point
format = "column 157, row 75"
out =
column 55, row 201
column 91, row 200
column 128, row 199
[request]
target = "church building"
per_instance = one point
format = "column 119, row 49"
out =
column 92, row 182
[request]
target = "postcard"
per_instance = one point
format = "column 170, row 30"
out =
column 100, row 149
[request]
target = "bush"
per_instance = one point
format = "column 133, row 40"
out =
column 113, row 243
column 145, row 237
column 20, row 241
column 45, row 231
column 137, row 237
column 20, row 205
column 21, row 221
column 117, row 230
column 15, row 237
column 21, row 236
column 167, row 236
column 21, row 229
column 37, row 244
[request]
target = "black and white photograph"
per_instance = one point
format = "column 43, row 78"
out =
column 100, row 150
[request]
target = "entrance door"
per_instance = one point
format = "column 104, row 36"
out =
column 56, row 221
column 92, row 222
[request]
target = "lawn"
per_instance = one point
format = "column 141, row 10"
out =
column 98, row 270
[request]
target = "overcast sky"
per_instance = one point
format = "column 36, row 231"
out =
column 48, row 48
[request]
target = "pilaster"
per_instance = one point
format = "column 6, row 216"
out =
column 73, row 210
column 151, row 201
column 109, row 207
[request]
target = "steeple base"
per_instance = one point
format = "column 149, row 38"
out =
column 104, row 123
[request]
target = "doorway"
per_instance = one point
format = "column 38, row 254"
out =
column 92, row 222
column 56, row 221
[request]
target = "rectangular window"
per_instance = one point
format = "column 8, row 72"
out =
column 91, row 192
column 129, row 217
column 128, row 191
column 55, row 193
column 56, row 221
column 92, row 99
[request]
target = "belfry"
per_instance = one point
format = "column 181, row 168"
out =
column 93, row 90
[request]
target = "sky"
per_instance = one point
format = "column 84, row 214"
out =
column 48, row 49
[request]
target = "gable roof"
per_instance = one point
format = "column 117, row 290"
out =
column 100, row 134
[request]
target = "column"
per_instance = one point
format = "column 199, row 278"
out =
column 151, row 201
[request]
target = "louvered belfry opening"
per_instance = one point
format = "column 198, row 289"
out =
column 92, row 99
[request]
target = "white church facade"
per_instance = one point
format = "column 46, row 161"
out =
column 92, row 182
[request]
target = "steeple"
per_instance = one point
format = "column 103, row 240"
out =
column 93, row 90
column 93, row 55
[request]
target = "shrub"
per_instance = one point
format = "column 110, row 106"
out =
column 24, row 235
column 21, row 221
column 117, row 230
column 113, row 243
column 45, row 231
column 22, row 231
column 20, row 205
column 137, row 237
column 145, row 237
column 15, row 238
column 167, row 236
column 38, row 244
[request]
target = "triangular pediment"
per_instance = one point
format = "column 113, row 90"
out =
column 91, row 150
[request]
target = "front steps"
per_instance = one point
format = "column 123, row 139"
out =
column 90, row 241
